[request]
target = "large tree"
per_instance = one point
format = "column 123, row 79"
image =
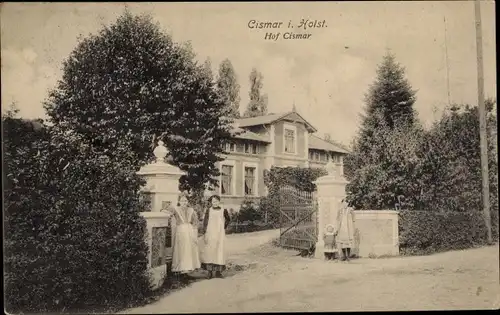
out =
column 389, row 102
column 388, row 122
column 130, row 85
column 257, row 106
column 228, row 88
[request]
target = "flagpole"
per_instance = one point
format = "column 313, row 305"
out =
column 482, row 121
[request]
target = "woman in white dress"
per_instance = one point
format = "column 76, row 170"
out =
column 345, row 230
column 215, row 223
column 185, row 256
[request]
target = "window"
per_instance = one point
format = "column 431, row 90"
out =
column 336, row 158
column 240, row 147
column 230, row 147
column 250, row 148
column 249, row 181
column 324, row 157
column 311, row 155
column 289, row 140
column 226, row 180
column 316, row 156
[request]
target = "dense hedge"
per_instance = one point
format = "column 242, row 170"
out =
column 74, row 239
column 426, row 232
column 250, row 218
column 248, row 226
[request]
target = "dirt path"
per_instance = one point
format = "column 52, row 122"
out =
column 282, row 281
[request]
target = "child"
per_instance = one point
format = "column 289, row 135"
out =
column 215, row 223
column 330, row 245
column 185, row 256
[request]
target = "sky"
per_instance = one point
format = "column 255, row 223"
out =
column 326, row 76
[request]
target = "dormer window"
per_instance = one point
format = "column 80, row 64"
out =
column 290, row 139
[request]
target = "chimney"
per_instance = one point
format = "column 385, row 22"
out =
column 327, row 137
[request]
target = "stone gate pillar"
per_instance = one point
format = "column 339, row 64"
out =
column 162, row 187
column 331, row 189
column 162, row 180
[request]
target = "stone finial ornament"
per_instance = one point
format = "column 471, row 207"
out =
column 160, row 152
column 331, row 168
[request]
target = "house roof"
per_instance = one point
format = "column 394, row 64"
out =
column 240, row 133
column 317, row 143
column 270, row 118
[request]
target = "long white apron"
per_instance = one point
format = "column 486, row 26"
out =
column 345, row 238
column 213, row 251
column 185, row 255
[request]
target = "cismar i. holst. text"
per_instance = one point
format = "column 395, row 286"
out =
column 303, row 25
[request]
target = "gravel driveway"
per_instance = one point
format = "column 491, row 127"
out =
column 279, row 280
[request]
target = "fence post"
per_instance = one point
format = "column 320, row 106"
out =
column 330, row 192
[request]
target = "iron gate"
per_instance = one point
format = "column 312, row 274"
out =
column 298, row 218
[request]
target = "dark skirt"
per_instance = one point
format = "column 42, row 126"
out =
column 213, row 267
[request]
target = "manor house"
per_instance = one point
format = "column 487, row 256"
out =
column 280, row 140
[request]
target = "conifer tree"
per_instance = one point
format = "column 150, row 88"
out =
column 257, row 105
column 228, row 88
column 389, row 102
column 383, row 157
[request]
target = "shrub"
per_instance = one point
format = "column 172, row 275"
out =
column 74, row 238
column 249, row 219
column 249, row 211
column 248, row 226
column 426, row 232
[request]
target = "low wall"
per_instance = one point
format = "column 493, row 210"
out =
column 376, row 233
column 158, row 231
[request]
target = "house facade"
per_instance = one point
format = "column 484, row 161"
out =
column 259, row 143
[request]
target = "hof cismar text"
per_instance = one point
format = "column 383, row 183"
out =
column 276, row 30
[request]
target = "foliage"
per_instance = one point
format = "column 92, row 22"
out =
column 297, row 177
column 250, row 218
column 131, row 84
column 300, row 178
column 228, row 88
column 382, row 163
column 391, row 169
column 207, row 69
column 248, row 227
column 74, row 238
column 257, row 105
column 451, row 161
column 426, row 232
column 437, row 169
column 390, row 100
column 249, row 211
